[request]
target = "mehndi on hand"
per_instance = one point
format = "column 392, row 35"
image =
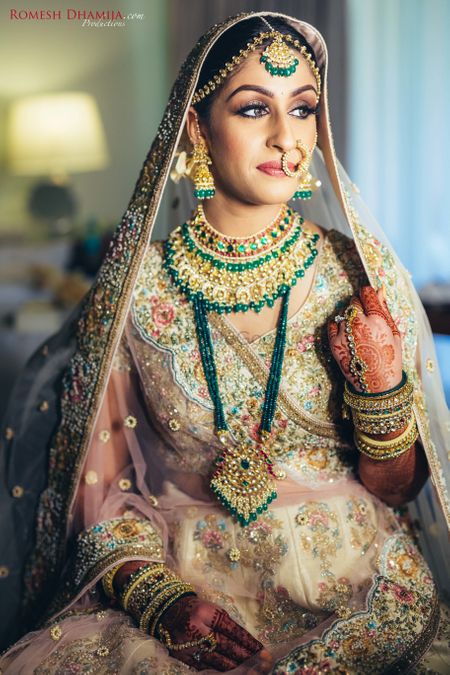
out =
column 366, row 343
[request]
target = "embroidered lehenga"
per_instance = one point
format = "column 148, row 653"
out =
column 329, row 577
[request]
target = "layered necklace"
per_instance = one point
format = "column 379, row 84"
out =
column 235, row 274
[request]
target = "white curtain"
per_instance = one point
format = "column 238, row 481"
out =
column 399, row 138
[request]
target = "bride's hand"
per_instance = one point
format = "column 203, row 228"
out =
column 191, row 618
column 377, row 342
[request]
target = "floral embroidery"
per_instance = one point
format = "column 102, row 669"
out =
column 320, row 532
column 102, row 652
column 258, row 546
column 334, row 595
column 362, row 530
column 390, row 635
column 279, row 618
column 402, row 563
column 213, row 537
column 321, row 536
column 262, row 544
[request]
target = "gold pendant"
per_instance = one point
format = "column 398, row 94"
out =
column 243, row 481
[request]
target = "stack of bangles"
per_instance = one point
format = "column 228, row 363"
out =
column 147, row 594
column 383, row 413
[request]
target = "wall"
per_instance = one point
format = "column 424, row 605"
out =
column 123, row 68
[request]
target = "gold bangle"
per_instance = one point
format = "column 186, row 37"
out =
column 153, row 620
column 149, row 593
column 375, row 443
column 137, row 582
column 379, row 402
column 108, row 580
column 376, row 424
column 384, row 450
column 158, row 601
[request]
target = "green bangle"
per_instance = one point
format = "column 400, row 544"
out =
column 379, row 393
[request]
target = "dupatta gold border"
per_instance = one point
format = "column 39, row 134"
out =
column 104, row 311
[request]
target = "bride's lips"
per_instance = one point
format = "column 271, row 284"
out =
column 275, row 168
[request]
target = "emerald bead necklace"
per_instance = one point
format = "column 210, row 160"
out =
column 223, row 274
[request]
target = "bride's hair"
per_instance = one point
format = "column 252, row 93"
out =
column 229, row 44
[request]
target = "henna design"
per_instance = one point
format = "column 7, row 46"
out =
column 332, row 329
column 377, row 342
column 182, row 621
column 231, row 648
column 378, row 356
column 223, row 623
column 218, row 661
column 191, row 618
column 372, row 304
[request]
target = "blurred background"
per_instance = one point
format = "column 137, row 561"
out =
column 79, row 107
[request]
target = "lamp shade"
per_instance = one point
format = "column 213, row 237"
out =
column 55, row 134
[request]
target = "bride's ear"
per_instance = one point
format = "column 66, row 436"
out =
column 193, row 125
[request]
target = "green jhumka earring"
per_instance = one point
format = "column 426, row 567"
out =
column 201, row 174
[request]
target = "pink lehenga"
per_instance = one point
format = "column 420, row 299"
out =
column 329, row 578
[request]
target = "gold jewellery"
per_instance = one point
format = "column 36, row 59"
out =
column 149, row 592
column 383, row 413
column 208, row 642
column 108, row 581
column 278, row 59
column 201, row 174
column 357, row 366
column 307, row 184
column 304, row 163
column 239, row 274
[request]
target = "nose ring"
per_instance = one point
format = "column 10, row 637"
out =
column 301, row 166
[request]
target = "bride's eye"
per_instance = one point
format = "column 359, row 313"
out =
column 253, row 110
column 304, row 111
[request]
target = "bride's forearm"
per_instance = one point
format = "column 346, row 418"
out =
column 398, row 480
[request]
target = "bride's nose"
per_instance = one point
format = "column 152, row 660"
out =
column 281, row 135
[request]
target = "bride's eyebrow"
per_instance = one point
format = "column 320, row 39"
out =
column 267, row 92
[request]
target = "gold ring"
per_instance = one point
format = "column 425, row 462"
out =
column 210, row 643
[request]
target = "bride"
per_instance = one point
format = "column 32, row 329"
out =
column 215, row 447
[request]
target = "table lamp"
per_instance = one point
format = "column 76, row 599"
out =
column 52, row 136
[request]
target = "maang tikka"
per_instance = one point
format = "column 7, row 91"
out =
column 280, row 57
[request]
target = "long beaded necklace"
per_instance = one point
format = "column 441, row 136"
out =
column 243, row 475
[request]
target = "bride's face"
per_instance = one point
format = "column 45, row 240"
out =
column 254, row 119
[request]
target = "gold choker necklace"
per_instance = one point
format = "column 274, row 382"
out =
column 237, row 274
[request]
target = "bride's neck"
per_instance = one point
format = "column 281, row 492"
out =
column 235, row 219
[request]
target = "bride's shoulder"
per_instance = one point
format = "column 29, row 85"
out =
column 151, row 273
column 338, row 253
column 332, row 239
